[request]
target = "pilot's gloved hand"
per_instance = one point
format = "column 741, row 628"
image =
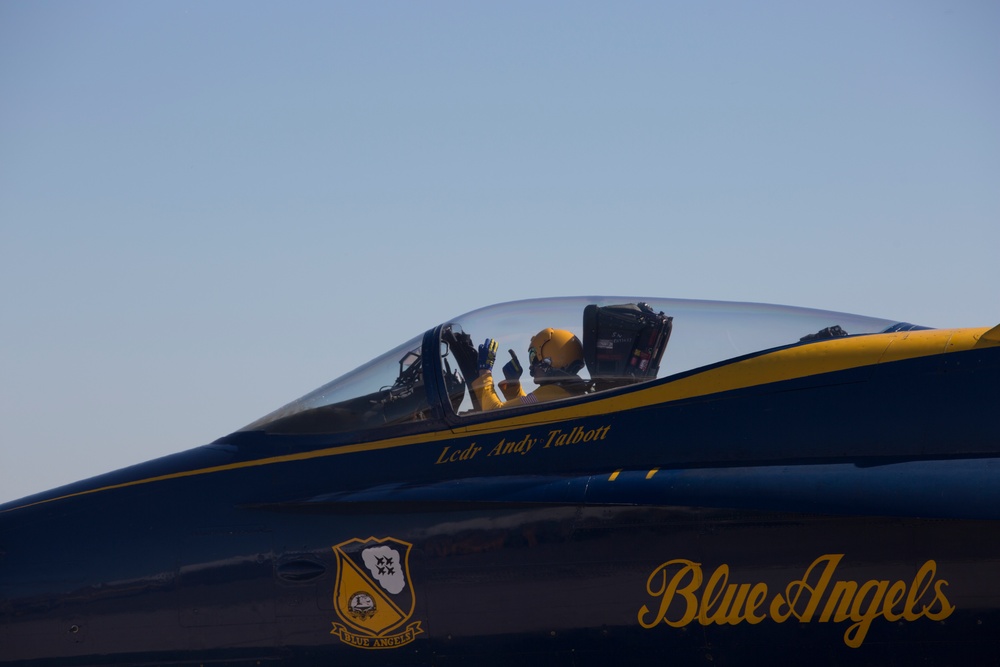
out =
column 488, row 355
column 512, row 369
column 511, row 384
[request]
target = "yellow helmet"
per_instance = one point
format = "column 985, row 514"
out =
column 555, row 349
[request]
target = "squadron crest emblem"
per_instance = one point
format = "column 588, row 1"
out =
column 374, row 595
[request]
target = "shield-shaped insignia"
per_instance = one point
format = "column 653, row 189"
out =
column 374, row 595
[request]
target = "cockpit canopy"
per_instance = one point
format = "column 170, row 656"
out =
column 626, row 341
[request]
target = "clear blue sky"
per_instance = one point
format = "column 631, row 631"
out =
column 209, row 209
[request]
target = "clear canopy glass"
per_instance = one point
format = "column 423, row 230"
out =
column 618, row 337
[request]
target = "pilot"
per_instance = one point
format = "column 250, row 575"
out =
column 555, row 357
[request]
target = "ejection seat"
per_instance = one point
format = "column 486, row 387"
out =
column 623, row 344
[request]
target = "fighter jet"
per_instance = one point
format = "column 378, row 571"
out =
column 573, row 481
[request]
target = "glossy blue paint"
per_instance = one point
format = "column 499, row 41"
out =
column 226, row 552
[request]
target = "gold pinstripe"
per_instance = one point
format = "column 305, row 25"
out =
column 788, row 364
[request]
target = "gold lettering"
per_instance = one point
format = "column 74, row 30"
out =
column 945, row 607
column 728, row 611
column 734, row 615
column 856, row 633
column 677, row 584
column 794, row 591
column 522, row 447
column 558, row 438
column 843, row 591
column 666, row 591
column 710, row 597
column 376, row 642
column 893, row 597
column 457, row 455
column 757, row 595
column 921, row 582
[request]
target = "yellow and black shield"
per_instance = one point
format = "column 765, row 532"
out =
column 374, row 594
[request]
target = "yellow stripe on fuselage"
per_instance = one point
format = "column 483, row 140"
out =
column 786, row 364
